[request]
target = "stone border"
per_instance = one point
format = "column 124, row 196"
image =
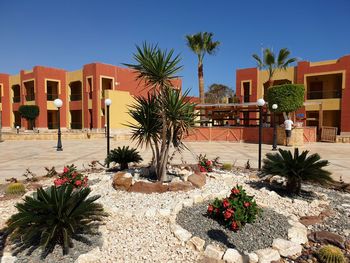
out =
column 297, row 235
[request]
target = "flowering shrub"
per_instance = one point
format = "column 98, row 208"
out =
column 204, row 164
column 71, row 176
column 234, row 211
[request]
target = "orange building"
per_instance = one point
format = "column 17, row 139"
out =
column 82, row 91
column 327, row 91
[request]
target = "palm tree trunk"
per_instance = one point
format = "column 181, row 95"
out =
column 201, row 81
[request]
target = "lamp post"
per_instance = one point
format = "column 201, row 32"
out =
column 58, row 103
column 108, row 103
column 260, row 103
column 105, row 130
column 17, row 128
column 274, row 146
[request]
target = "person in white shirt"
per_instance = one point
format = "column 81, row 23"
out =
column 288, row 124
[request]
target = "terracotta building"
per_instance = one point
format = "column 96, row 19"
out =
column 327, row 91
column 82, row 91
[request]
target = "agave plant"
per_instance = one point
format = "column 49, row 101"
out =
column 124, row 156
column 297, row 168
column 53, row 216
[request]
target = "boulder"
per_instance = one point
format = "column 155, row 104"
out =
column 326, row 237
column 214, row 252
column 234, row 256
column 148, row 188
column 196, row 243
column 7, row 258
column 267, row 255
column 286, row 248
column 297, row 235
column 180, row 186
column 197, row 179
column 310, row 220
column 253, row 258
column 122, row 181
column 91, row 257
column 182, row 234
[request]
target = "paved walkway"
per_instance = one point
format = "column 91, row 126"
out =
column 16, row 156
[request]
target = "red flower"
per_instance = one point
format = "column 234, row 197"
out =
column 78, row 183
column 228, row 213
column 65, row 170
column 208, row 163
column 74, row 174
column 202, row 169
column 246, row 204
column 225, row 203
column 234, row 225
column 235, row 191
column 217, row 211
column 210, row 209
column 58, row 182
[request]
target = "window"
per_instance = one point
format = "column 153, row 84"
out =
column 246, row 91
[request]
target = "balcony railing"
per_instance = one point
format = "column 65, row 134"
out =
column 51, row 97
column 76, row 125
column 75, row 97
column 30, row 97
column 329, row 94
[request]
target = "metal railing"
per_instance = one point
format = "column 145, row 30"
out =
column 329, row 94
column 75, row 97
column 30, row 97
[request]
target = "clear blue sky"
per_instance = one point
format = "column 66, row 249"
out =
column 67, row 34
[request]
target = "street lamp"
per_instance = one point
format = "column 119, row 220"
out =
column 58, row 103
column 274, row 146
column 105, row 130
column 17, row 128
column 260, row 103
column 108, row 103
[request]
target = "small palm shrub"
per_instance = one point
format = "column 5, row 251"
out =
column 53, row 216
column 71, row 176
column 124, row 156
column 297, row 168
column 15, row 189
column 234, row 211
column 227, row 166
column 330, row 254
column 204, row 164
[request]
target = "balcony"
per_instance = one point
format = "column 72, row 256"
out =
column 319, row 94
column 75, row 97
column 30, row 97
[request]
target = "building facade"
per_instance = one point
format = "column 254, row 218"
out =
column 82, row 91
column 327, row 91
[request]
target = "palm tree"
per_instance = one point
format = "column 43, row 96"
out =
column 297, row 168
column 271, row 63
column 164, row 116
column 201, row 44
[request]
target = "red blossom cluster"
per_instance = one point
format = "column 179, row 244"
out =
column 204, row 164
column 71, row 176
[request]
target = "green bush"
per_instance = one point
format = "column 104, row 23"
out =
column 234, row 211
column 15, row 189
column 297, row 168
column 288, row 97
column 331, row 254
column 29, row 112
column 54, row 216
column 124, row 156
column 227, row 166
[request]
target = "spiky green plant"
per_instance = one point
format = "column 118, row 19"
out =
column 297, row 168
column 15, row 189
column 124, row 156
column 53, row 216
column 330, row 254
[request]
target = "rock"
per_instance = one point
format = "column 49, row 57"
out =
column 310, row 220
column 253, row 258
column 267, row 255
column 197, row 179
column 286, row 248
column 326, row 237
column 164, row 212
column 148, row 188
column 187, row 202
column 8, row 258
column 196, row 243
column 121, row 181
column 214, row 252
column 177, row 208
column 234, row 256
column 180, row 186
column 197, row 198
column 176, row 180
column 297, row 235
column 347, row 245
column 182, row 234
column 91, row 257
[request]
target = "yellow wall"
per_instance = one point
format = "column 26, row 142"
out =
column 74, row 76
column 263, row 76
column 13, row 80
column 327, row 104
column 119, row 107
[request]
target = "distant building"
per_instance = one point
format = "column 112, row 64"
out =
column 82, row 91
column 327, row 95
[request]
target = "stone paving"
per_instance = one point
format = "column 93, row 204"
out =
column 16, row 156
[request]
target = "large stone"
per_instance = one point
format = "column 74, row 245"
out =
column 310, row 220
column 148, row 188
column 197, row 179
column 326, row 237
column 7, row 258
column 196, row 243
column 122, row 181
column 286, row 248
column 214, row 252
column 91, row 257
column 253, row 258
column 182, row 234
column 297, row 233
column 180, row 186
column 234, row 256
column 267, row 255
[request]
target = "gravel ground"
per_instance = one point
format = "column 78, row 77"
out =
column 260, row 234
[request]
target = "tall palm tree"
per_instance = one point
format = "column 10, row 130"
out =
column 272, row 64
column 201, row 44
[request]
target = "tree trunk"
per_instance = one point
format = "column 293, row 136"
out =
column 201, row 82
column 124, row 166
column 294, row 185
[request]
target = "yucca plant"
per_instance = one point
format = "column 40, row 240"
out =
column 55, row 215
column 297, row 168
column 124, row 156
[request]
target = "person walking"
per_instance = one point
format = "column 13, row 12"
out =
column 288, row 125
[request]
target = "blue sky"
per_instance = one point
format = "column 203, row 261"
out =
column 67, row 34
